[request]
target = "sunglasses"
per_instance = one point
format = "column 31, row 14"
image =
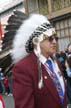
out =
column 51, row 38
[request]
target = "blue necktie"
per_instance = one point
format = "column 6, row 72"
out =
column 55, row 80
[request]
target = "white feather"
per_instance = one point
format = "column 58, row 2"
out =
column 23, row 34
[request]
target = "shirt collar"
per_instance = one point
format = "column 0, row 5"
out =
column 42, row 58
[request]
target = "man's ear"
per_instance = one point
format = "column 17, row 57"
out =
column 35, row 40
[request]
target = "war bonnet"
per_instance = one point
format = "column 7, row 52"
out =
column 35, row 26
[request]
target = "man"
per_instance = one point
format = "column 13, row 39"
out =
column 38, row 81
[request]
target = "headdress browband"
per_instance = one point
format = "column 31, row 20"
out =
column 39, row 30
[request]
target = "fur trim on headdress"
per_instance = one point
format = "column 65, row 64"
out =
column 23, row 35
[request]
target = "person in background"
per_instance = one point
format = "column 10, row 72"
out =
column 68, row 70
column 68, row 52
column 7, row 90
column 2, row 105
column 10, row 83
column 68, row 66
column 61, row 56
column 1, row 81
column 37, row 79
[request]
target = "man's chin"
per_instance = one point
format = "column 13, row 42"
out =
column 53, row 52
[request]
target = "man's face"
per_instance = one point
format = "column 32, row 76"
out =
column 48, row 46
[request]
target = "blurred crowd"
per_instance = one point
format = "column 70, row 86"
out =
column 5, row 83
column 65, row 59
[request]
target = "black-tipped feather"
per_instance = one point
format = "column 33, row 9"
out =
column 14, row 22
column 12, row 27
column 15, row 19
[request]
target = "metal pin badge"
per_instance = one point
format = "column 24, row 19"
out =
column 45, row 77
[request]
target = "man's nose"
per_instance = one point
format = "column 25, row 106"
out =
column 54, row 40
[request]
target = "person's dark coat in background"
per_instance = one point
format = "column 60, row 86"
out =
column 62, row 57
column 68, row 70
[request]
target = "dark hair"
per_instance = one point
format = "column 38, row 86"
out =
column 69, row 61
column 68, row 46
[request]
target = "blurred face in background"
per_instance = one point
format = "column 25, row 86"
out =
column 49, row 46
column 69, row 48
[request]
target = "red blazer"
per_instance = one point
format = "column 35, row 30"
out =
column 25, row 86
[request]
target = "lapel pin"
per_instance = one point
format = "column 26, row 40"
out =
column 45, row 77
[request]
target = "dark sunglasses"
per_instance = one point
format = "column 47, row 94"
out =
column 51, row 38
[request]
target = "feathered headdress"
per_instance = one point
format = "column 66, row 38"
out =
column 35, row 26
column 13, row 24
